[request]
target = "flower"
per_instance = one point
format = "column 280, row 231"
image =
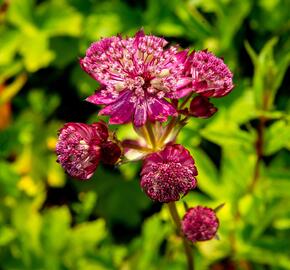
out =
column 199, row 224
column 168, row 174
column 79, row 148
column 210, row 75
column 136, row 75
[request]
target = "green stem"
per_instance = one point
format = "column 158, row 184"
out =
column 168, row 129
column 151, row 134
column 185, row 101
column 187, row 248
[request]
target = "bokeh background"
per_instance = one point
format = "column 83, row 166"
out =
column 52, row 222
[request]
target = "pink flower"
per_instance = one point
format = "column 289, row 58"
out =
column 199, row 224
column 168, row 174
column 210, row 75
column 136, row 75
column 79, row 148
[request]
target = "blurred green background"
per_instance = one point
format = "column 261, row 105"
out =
column 49, row 221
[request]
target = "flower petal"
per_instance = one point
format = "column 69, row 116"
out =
column 101, row 97
column 159, row 109
column 121, row 110
column 140, row 115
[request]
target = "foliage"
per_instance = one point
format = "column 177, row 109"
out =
column 48, row 221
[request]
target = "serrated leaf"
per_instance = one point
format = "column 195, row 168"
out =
column 277, row 136
column 226, row 133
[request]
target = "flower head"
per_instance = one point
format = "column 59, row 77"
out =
column 136, row 75
column 210, row 75
column 199, row 224
column 78, row 148
column 168, row 174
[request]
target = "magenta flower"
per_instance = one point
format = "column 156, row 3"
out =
column 79, row 148
column 199, row 224
column 210, row 75
column 136, row 75
column 168, row 174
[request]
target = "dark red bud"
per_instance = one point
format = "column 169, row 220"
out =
column 102, row 130
column 201, row 107
column 110, row 152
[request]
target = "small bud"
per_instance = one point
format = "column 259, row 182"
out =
column 168, row 174
column 78, row 148
column 201, row 107
column 200, row 224
column 111, row 152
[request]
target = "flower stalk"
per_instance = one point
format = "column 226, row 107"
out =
column 187, row 248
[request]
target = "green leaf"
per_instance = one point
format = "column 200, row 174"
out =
column 7, row 234
column 277, row 136
column 21, row 14
column 55, row 229
column 8, row 180
column 227, row 133
column 268, row 73
column 208, row 179
column 56, row 18
column 237, row 169
column 10, row 41
column 244, row 103
column 35, row 51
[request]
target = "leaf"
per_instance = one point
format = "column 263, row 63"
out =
column 35, row 51
column 243, row 108
column 10, row 41
column 269, row 254
column 21, row 14
column 268, row 73
column 8, row 180
column 208, row 178
column 12, row 89
column 277, row 136
column 55, row 229
column 237, row 169
column 55, row 18
column 7, row 234
column 227, row 133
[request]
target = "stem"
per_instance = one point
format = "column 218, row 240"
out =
column 168, row 129
column 259, row 151
column 151, row 134
column 136, row 147
column 259, row 143
column 187, row 248
column 185, row 101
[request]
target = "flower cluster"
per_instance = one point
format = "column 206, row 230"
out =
column 157, row 88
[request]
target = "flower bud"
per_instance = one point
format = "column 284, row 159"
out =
column 199, row 224
column 168, row 174
column 78, row 148
column 201, row 107
column 111, row 152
